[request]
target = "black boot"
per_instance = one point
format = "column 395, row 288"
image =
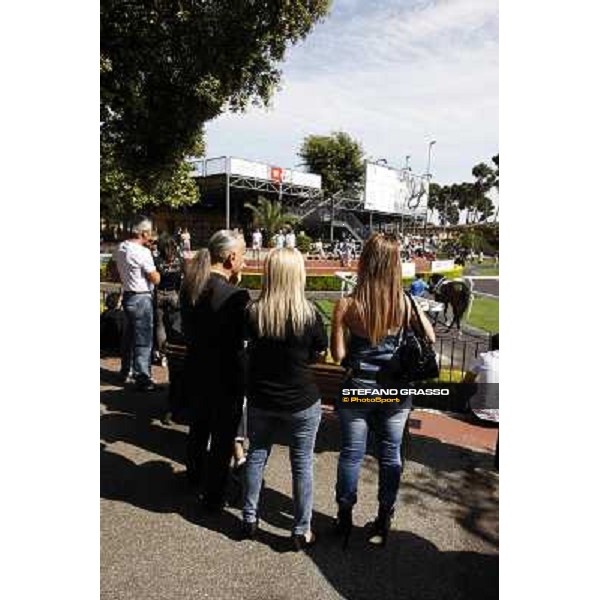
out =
column 249, row 530
column 302, row 541
column 343, row 525
column 381, row 527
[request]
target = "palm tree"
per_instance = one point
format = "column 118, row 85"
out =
column 269, row 215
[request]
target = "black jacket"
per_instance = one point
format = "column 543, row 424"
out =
column 214, row 335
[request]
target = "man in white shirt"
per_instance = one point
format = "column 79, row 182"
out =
column 486, row 373
column 279, row 240
column 138, row 276
column 290, row 239
column 256, row 244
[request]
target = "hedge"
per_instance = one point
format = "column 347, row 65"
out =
column 314, row 283
column 320, row 283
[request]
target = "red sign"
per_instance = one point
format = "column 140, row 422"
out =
column 277, row 174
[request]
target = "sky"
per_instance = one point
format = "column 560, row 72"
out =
column 394, row 74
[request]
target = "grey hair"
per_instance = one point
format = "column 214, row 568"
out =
column 221, row 244
column 141, row 224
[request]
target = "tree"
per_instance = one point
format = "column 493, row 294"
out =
column 269, row 216
column 441, row 198
column 472, row 197
column 122, row 195
column 337, row 158
column 166, row 68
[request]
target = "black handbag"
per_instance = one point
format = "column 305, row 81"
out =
column 414, row 358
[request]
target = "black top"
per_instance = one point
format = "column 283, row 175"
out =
column 171, row 274
column 214, row 335
column 279, row 377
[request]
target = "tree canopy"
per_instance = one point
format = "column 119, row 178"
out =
column 337, row 158
column 166, row 68
column 472, row 197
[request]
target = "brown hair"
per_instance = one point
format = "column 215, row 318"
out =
column 379, row 296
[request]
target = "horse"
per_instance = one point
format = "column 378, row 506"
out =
column 457, row 293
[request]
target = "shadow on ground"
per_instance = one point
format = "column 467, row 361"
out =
column 409, row 566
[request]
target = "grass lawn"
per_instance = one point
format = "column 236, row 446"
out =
column 326, row 309
column 487, row 270
column 485, row 314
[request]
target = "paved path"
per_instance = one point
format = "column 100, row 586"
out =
column 487, row 286
column 156, row 544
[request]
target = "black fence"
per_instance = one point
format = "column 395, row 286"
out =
column 457, row 354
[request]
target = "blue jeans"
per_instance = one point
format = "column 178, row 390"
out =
column 139, row 324
column 388, row 427
column 301, row 431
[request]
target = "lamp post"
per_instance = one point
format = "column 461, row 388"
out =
column 377, row 162
column 429, row 158
column 428, row 184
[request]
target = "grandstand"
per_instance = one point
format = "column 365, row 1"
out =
column 226, row 183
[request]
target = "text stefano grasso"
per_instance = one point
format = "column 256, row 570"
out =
column 396, row 392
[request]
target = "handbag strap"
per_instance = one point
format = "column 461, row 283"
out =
column 404, row 325
column 418, row 315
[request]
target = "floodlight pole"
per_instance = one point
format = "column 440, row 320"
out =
column 377, row 162
column 332, row 215
column 428, row 184
column 227, row 216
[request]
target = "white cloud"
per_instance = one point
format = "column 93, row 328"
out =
column 392, row 75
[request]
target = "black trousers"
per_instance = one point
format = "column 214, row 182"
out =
column 214, row 419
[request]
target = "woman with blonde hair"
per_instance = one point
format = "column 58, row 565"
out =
column 285, row 334
column 364, row 332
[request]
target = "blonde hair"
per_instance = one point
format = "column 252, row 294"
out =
column 379, row 296
column 282, row 302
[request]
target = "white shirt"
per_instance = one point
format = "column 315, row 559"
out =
column 134, row 262
column 257, row 239
column 279, row 240
column 485, row 403
column 487, row 367
column 290, row 240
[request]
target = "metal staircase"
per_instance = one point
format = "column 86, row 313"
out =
column 344, row 205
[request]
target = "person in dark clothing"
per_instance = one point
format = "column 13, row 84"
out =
column 213, row 322
column 285, row 335
column 166, row 299
column 112, row 324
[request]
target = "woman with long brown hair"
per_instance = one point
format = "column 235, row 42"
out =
column 365, row 326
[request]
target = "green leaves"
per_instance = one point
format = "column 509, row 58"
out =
column 269, row 216
column 168, row 67
column 470, row 196
column 122, row 195
column 337, row 158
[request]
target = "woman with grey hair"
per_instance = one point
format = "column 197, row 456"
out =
column 213, row 310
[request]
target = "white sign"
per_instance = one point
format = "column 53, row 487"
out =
column 255, row 170
column 391, row 191
column 408, row 270
column 441, row 265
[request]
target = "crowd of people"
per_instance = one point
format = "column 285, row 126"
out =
column 247, row 372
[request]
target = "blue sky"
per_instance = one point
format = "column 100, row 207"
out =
column 393, row 74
